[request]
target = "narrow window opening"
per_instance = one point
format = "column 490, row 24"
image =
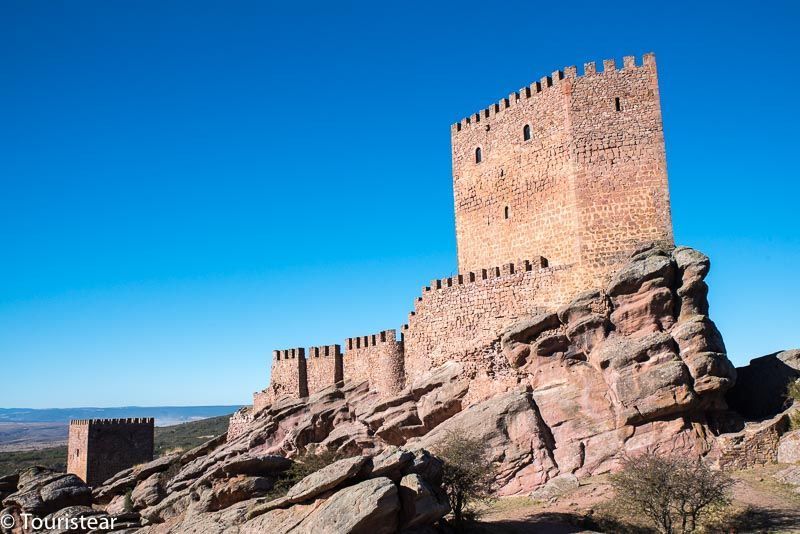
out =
column 526, row 132
column 617, row 104
column 506, row 212
column 478, row 155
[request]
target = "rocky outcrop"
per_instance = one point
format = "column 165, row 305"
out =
column 362, row 494
column 636, row 365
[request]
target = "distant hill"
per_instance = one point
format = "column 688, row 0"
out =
column 169, row 438
column 164, row 415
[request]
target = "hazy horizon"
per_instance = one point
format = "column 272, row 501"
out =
column 163, row 415
column 118, row 407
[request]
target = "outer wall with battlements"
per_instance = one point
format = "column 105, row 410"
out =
column 554, row 186
column 99, row 448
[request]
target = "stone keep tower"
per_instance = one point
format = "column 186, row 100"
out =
column 570, row 168
column 100, row 448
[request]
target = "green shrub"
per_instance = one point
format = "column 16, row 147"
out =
column 793, row 392
column 467, row 475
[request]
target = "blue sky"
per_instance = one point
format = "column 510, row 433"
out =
column 185, row 186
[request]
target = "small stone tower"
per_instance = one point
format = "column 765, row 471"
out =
column 571, row 168
column 100, row 448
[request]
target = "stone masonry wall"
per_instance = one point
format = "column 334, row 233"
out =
column 516, row 202
column 77, row 448
column 456, row 317
column 571, row 168
column 262, row 399
column 756, row 445
column 377, row 358
column 103, row 447
column 240, row 422
column 620, row 184
column 323, row 367
column 289, row 373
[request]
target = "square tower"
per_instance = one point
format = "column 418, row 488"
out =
column 570, row 168
column 289, row 374
column 100, row 448
column 323, row 367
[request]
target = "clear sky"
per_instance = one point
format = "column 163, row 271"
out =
column 186, row 185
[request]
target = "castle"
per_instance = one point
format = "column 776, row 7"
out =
column 554, row 186
column 100, row 448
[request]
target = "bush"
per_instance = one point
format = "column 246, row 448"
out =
column 793, row 393
column 467, row 475
column 674, row 493
column 127, row 503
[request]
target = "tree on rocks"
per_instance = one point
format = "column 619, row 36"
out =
column 467, row 474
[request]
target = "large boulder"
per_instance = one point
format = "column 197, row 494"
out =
column 247, row 464
column 514, row 434
column 228, row 491
column 789, row 448
column 760, row 390
column 391, row 463
column 369, row 507
column 43, row 491
column 326, row 479
column 421, row 503
column 148, row 492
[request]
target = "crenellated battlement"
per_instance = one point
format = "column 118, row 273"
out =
column 476, row 277
column 648, row 61
column 289, row 354
column 121, row 421
column 324, row 351
column 362, row 342
column 324, row 367
column 472, row 277
column 377, row 359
